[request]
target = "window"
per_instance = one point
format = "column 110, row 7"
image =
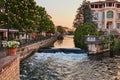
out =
column 109, row 4
column 118, row 15
column 110, row 14
column 92, row 6
column 118, row 25
column 100, row 6
column 96, row 6
column 118, row 5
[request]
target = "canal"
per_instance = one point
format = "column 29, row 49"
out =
column 60, row 65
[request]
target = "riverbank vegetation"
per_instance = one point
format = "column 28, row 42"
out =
column 60, row 29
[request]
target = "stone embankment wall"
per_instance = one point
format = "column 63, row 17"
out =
column 28, row 50
column 9, row 66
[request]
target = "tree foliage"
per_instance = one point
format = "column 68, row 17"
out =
column 81, row 32
column 25, row 16
column 60, row 29
column 84, row 14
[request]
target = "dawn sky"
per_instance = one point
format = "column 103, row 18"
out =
column 62, row 11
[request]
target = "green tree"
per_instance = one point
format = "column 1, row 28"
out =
column 99, row 33
column 84, row 14
column 43, row 16
column 60, row 29
column 81, row 32
column 45, row 23
column 25, row 16
column 79, row 18
column 87, row 12
column 20, row 15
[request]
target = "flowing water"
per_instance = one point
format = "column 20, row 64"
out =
column 67, row 66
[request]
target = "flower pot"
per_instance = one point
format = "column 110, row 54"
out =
column 11, row 51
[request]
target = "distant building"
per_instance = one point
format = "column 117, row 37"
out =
column 107, row 15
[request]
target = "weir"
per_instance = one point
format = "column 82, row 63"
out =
column 64, row 50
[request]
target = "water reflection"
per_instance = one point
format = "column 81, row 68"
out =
column 59, row 42
column 67, row 42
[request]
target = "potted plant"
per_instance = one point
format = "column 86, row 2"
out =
column 11, row 47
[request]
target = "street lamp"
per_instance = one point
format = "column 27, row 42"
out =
column 7, row 13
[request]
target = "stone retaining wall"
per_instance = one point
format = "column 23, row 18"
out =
column 9, row 68
column 29, row 49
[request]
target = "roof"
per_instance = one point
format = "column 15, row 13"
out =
column 11, row 30
column 91, row 41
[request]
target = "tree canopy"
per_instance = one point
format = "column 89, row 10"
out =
column 25, row 16
column 81, row 32
column 84, row 14
column 60, row 29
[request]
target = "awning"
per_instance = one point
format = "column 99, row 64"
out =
column 10, row 30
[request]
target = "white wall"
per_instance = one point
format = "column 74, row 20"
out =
column 92, row 47
column 100, row 18
column 23, row 36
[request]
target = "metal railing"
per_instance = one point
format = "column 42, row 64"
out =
column 25, row 42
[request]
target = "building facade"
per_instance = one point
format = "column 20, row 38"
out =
column 106, row 14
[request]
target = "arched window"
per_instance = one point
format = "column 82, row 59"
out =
column 110, row 14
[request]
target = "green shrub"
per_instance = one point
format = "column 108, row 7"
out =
column 81, row 32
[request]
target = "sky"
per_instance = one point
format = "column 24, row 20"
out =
column 62, row 11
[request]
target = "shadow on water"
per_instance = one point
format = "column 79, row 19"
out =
column 98, row 57
column 64, row 50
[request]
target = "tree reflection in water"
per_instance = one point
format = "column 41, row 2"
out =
column 67, row 42
column 60, row 42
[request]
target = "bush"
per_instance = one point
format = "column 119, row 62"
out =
column 81, row 32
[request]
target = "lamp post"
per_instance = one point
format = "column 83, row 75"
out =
column 7, row 14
